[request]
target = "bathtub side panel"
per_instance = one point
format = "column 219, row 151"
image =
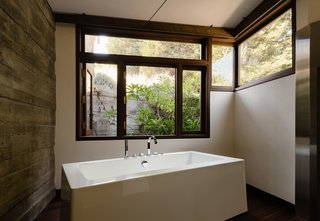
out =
column 208, row 194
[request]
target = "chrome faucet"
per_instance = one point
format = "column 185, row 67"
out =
column 126, row 149
column 149, row 140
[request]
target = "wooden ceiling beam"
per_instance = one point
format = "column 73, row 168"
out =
column 140, row 25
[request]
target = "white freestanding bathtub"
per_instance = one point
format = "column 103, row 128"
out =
column 181, row 186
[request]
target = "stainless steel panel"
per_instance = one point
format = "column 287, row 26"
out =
column 307, row 123
column 303, row 122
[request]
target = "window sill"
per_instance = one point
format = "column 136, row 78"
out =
column 265, row 79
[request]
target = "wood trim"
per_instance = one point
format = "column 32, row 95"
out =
column 112, row 32
column 223, row 41
column 140, row 25
column 268, row 78
column 264, row 13
column 121, row 104
column 179, row 94
column 143, row 137
column 206, row 102
column 91, row 57
column 222, row 88
column 236, row 67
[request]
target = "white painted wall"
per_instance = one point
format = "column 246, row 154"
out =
column 265, row 136
column 68, row 150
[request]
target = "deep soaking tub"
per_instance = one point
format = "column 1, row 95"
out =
column 181, row 186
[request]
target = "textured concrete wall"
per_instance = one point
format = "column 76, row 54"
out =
column 27, row 108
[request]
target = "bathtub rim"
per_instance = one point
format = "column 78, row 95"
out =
column 77, row 180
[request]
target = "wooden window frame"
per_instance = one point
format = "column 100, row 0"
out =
column 251, row 29
column 83, row 57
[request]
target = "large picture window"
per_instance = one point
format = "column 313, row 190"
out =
column 133, row 87
column 268, row 51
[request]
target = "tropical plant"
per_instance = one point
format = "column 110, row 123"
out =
column 156, row 106
column 156, row 111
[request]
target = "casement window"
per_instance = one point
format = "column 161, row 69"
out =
column 268, row 53
column 133, row 85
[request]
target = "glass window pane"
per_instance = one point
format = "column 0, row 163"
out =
column 104, row 101
column 222, row 65
column 150, row 93
column 142, row 47
column 191, row 100
column 268, row 51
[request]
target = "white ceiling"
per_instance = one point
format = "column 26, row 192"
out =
column 218, row 13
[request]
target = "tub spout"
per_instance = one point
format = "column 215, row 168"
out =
column 126, row 149
column 149, row 140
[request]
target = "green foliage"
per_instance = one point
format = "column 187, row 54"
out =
column 268, row 51
column 112, row 116
column 153, row 48
column 191, row 100
column 219, row 80
column 219, row 51
column 156, row 111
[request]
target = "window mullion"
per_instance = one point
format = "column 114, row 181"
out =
column 205, row 107
column 121, row 114
column 236, row 67
column 82, row 100
column 179, row 101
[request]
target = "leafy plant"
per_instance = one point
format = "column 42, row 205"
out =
column 112, row 116
column 191, row 100
column 156, row 106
